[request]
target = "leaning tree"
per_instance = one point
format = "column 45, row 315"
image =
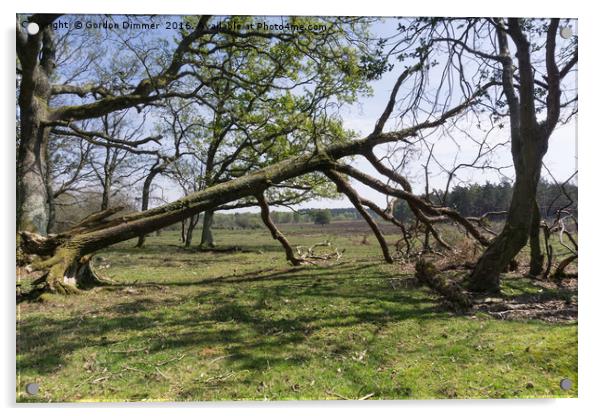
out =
column 63, row 259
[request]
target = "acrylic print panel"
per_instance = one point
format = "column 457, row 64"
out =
column 221, row 208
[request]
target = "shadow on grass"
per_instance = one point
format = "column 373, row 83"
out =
column 46, row 341
column 523, row 290
column 151, row 250
column 246, row 317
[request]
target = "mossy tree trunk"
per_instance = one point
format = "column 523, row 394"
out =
column 36, row 55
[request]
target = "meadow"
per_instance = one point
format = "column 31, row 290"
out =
column 180, row 325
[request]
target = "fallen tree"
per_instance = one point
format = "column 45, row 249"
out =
column 428, row 274
column 61, row 257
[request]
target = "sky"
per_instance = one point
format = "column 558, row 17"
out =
column 361, row 117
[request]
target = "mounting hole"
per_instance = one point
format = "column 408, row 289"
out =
column 566, row 384
column 566, row 32
column 32, row 388
column 33, row 28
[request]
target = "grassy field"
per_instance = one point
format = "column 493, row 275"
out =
column 184, row 325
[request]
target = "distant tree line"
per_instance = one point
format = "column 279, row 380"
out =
column 476, row 199
column 249, row 220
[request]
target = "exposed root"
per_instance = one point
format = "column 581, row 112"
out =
column 66, row 274
column 84, row 275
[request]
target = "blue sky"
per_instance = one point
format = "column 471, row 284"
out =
column 362, row 116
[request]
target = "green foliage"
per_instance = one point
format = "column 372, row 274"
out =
column 264, row 98
column 322, row 217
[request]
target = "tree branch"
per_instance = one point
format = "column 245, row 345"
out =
column 276, row 234
column 344, row 187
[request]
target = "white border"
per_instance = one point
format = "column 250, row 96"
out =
column 589, row 198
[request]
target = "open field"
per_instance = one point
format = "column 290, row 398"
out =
column 185, row 325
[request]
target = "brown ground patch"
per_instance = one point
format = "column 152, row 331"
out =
column 554, row 302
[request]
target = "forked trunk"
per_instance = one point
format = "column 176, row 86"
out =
column 192, row 222
column 514, row 236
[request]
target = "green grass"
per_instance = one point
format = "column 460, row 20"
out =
column 183, row 325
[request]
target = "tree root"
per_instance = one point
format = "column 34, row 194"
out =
column 66, row 274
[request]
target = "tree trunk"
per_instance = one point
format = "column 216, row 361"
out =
column 106, row 182
column 146, row 187
column 537, row 257
column 141, row 241
column 71, row 274
column 100, row 231
column 207, row 234
column 192, row 222
column 51, row 205
column 514, row 236
column 529, row 143
column 50, row 228
column 106, row 198
column 36, row 54
column 32, row 209
column 32, row 196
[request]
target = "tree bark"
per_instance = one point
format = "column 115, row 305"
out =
column 515, row 234
column 276, row 234
column 192, row 222
column 529, row 144
column 183, row 230
column 537, row 257
column 146, row 187
column 107, row 179
column 207, row 234
column 33, row 100
column 50, row 197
